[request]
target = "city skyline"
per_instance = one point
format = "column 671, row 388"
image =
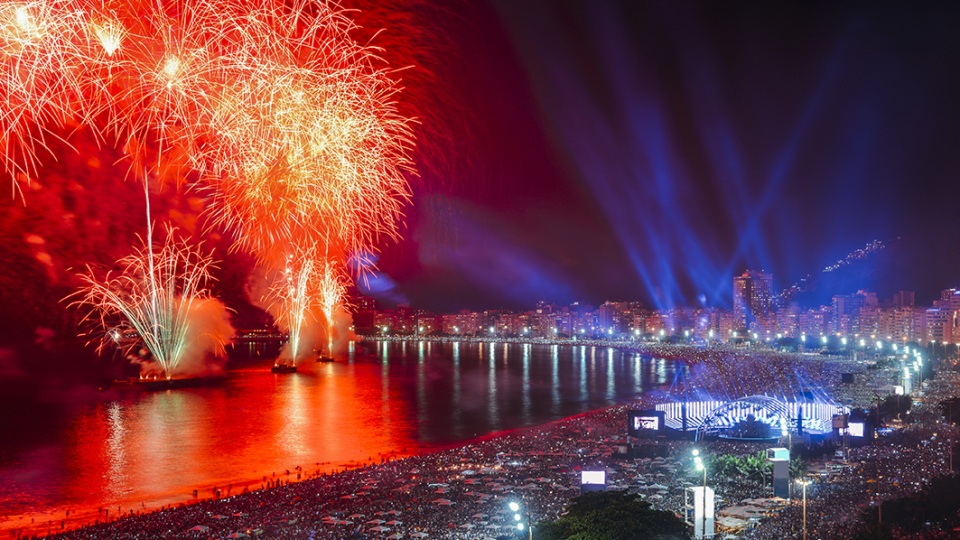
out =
column 858, row 318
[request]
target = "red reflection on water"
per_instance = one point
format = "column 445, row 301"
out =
column 152, row 449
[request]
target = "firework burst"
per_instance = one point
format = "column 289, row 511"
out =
column 156, row 295
column 331, row 293
column 287, row 119
column 308, row 291
column 288, row 124
column 293, row 294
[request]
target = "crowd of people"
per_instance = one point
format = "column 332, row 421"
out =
column 464, row 492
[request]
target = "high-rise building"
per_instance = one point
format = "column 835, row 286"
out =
column 788, row 321
column 903, row 299
column 752, row 297
column 612, row 316
column 846, row 307
column 815, row 322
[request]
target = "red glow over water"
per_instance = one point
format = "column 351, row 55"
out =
column 137, row 449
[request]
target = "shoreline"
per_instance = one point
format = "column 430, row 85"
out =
column 183, row 498
column 344, row 470
column 658, row 350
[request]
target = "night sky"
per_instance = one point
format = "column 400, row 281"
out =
column 589, row 151
column 651, row 150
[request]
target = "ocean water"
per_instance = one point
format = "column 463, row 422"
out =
column 121, row 450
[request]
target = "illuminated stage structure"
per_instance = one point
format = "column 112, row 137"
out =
column 752, row 418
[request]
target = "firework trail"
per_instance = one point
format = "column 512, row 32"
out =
column 288, row 124
column 159, row 296
column 294, row 294
column 331, row 293
column 307, row 293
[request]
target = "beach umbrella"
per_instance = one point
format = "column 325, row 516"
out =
column 418, row 535
column 393, row 512
column 394, row 522
column 394, row 536
column 378, row 528
column 198, row 528
column 352, row 516
column 375, row 522
column 237, row 535
column 466, row 526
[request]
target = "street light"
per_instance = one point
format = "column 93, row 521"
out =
column 516, row 508
column 804, row 484
column 702, row 467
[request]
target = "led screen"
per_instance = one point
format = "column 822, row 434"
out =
column 856, row 430
column 593, row 477
column 646, row 422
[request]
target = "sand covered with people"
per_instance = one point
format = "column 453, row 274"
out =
column 464, row 492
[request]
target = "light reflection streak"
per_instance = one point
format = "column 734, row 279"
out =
column 492, row 405
column 611, row 386
column 555, row 383
column 583, row 377
column 291, row 437
column 421, row 387
column 637, row 381
column 526, row 383
column 591, row 373
column 116, row 451
column 457, row 408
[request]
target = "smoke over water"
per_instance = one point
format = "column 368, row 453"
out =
column 209, row 327
column 290, row 289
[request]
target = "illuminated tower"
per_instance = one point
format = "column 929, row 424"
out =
column 752, row 297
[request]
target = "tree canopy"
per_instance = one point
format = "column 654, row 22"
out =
column 613, row 515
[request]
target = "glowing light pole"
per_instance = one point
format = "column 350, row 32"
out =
column 702, row 467
column 516, row 507
column 804, row 484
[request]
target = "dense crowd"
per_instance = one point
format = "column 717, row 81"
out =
column 464, row 492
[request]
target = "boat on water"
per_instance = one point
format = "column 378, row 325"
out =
column 156, row 383
column 323, row 358
column 282, row 367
